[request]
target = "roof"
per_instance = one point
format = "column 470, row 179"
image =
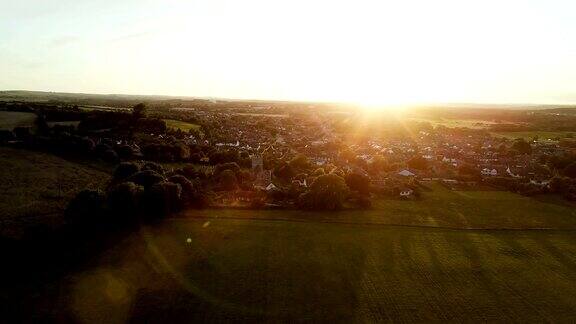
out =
column 406, row 173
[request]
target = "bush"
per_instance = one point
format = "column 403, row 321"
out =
column 125, row 200
column 6, row 135
column 22, row 132
column 146, row 178
column 125, row 169
column 163, row 199
column 154, row 167
column 189, row 193
column 110, row 156
column 86, row 145
column 86, row 208
column 327, row 192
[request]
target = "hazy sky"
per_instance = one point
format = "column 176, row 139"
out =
column 354, row 50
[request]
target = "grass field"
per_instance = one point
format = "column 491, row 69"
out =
column 183, row 126
column 439, row 207
column 452, row 123
column 454, row 256
column 542, row 135
column 11, row 119
column 74, row 123
column 35, row 188
column 277, row 271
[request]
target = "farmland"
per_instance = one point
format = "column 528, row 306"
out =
column 541, row 135
column 439, row 207
column 183, row 126
column 36, row 187
column 11, row 119
column 191, row 270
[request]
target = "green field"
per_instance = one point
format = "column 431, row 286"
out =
column 35, row 189
column 453, row 123
column 11, row 119
column 542, row 135
column 453, row 256
column 277, row 271
column 74, row 123
column 183, row 126
column 439, row 207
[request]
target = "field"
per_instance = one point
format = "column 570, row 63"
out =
column 74, row 123
column 542, row 135
column 439, row 207
column 11, row 119
column 454, row 256
column 35, row 188
column 278, row 271
column 183, row 126
column 453, row 123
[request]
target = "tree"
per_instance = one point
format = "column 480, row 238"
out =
column 124, row 200
column 522, row 146
column 300, row 162
column 418, row 162
column 358, row 182
column 125, row 169
column 327, row 192
column 163, row 199
column 139, row 111
column 86, row 208
column 570, row 170
column 228, row 180
column 146, row 178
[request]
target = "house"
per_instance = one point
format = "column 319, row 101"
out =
column 406, row 173
column 406, row 192
column 488, row 172
column 270, row 187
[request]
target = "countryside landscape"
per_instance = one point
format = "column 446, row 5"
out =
column 211, row 210
column 274, row 161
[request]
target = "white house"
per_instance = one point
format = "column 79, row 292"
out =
column 406, row 192
column 488, row 172
column 406, row 173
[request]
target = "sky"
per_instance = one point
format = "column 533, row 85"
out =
column 369, row 52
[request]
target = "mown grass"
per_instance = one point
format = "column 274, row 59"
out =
column 541, row 135
column 438, row 207
column 277, row 271
column 11, row 119
column 183, row 126
column 452, row 123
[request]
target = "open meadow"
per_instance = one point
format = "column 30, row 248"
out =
column 451, row 256
column 190, row 270
column 11, row 119
column 35, row 189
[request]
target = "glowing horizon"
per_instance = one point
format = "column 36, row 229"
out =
column 375, row 53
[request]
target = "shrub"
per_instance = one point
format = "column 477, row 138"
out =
column 154, row 167
column 189, row 194
column 86, row 145
column 146, row 178
column 125, row 169
column 124, row 200
column 6, row 135
column 22, row 132
column 86, row 208
column 110, row 156
column 327, row 192
column 163, row 199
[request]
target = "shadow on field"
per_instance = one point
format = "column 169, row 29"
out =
column 33, row 267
